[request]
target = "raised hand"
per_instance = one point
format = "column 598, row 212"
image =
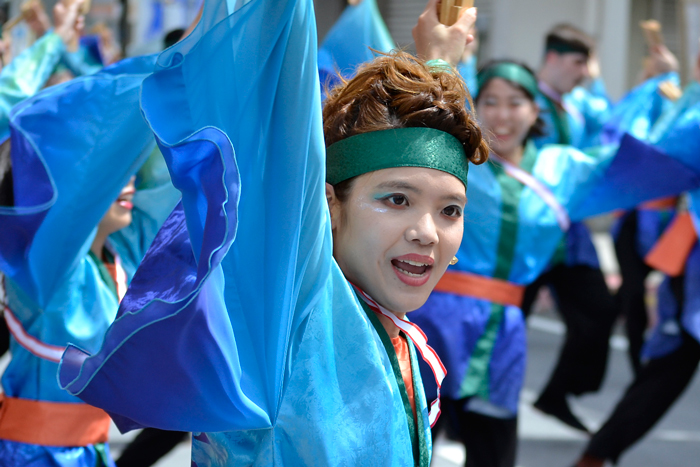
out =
column 435, row 40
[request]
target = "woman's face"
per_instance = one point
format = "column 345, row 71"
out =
column 119, row 214
column 397, row 231
column 506, row 115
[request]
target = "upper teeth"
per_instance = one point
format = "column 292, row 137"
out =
column 414, row 263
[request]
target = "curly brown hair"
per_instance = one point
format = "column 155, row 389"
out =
column 397, row 90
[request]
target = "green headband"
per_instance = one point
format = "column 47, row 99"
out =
column 401, row 147
column 512, row 72
column 563, row 46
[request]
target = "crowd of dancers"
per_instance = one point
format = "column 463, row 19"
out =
column 326, row 255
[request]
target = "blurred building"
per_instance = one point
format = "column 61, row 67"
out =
column 516, row 29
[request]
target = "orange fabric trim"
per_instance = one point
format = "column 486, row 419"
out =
column 487, row 288
column 52, row 423
column 672, row 249
column 404, row 357
column 660, row 204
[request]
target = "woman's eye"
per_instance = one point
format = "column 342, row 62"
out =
column 452, row 211
column 398, row 200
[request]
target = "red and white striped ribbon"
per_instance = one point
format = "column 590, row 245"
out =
column 121, row 278
column 33, row 345
column 539, row 188
column 421, row 342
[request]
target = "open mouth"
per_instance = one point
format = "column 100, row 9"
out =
column 413, row 270
column 125, row 200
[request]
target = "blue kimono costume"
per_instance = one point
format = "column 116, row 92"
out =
column 72, row 154
column 349, row 42
column 26, row 74
column 575, row 119
column 510, row 234
column 239, row 325
column 679, row 127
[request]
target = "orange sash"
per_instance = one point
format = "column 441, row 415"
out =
column 660, row 204
column 52, row 423
column 486, row 288
column 672, row 249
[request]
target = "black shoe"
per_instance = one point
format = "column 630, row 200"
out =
column 559, row 408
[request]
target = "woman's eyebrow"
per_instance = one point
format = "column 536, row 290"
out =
column 399, row 185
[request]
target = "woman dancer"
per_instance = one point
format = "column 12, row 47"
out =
column 268, row 346
column 65, row 260
column 519, row 208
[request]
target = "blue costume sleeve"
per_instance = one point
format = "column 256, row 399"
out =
column 224, row 293
column 678, row 130
column 87, row 59
column 347, row 45
column 594, row 106
column 468, row 71
column 74, row 147
column 26, row 74
column 625, row 176
column 638, row 111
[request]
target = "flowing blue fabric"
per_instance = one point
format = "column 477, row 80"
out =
column 639, row 110
column 239, row 325
column 74, row 147
column 468, row 71
column 347, row 45
column 26, row 74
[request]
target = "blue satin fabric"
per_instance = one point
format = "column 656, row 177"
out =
column 587, row 110
column 30, row 455
column 678, row 130
column 74, row 147
column 585, row 185
column 468, row 71
column 347, row 45
column 639, row 110
column 26, row 74
column 239, row 325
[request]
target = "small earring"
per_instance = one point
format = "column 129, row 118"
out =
column 454, row 261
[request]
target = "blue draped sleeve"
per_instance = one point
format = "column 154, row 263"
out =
column 625, row 176
column 216, row 311
column 638, row 111
column 347, row 45
column 26, row 74
column 73, row 148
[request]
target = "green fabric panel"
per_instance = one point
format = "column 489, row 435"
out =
column 104, row 273
column 389, row 347
column 103, row 458
column 476, row 381
column 561, row 122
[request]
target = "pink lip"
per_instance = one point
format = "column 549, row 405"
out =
column 410, row 280
column 126, row 204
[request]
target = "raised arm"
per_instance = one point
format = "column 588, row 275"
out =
column 73, row 148
column 27, row 73
column 218, row 317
